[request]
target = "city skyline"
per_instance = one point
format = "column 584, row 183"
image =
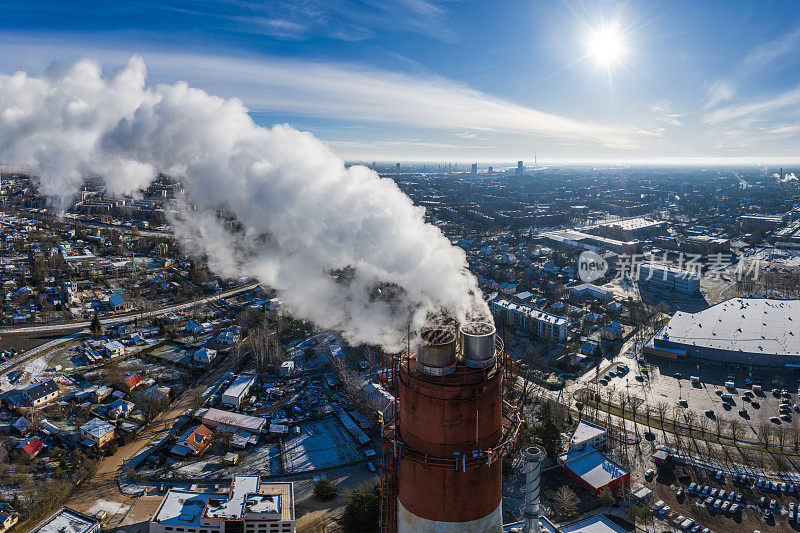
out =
column 463, row 81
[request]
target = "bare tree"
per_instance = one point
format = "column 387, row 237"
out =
column 634, row 408
column 795, row 435
column 764, row 434
column 661, row 409
column 703, row 426
column 566, row 501
column 690, row 417
column 780, row 462
column 719, row 426
column 781, row 434
column 735, row 428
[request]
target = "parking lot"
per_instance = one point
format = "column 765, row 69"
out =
column 723, row 501
column 657, row 381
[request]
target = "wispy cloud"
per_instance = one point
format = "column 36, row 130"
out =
column 767, row 53
column 718, row 92
column 786, row 48
column 785, row 130
column 757, row 110
column 347, row 92
column 346, row 20
column 662, row 111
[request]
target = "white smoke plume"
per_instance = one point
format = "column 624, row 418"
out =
column 786, row 177
column 345, row 248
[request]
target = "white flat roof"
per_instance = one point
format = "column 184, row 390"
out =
column 65, row 520
column 586, row 431
column 182, row 507
column 593, row 524
column 747, row 325
column 233, row 507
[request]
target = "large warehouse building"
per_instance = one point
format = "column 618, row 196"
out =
column 750, row 331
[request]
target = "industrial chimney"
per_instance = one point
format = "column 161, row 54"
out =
column 533, row 458
column 450, row 434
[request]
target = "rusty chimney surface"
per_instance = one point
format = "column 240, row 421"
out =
column 436, row 354
column 477, row 344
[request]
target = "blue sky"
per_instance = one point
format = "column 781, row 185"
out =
column 461, row 80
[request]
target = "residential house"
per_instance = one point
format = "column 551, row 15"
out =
column 120, row 409
column 131, row 382
column 8, row 517
column 114, row 348
column 21, row 425
column 194, row 328
column 612, row 332
column 117, row 302
column 204, row 356
column 30, row 447
column 97, row 432
column 193, row 442
column 41, row 393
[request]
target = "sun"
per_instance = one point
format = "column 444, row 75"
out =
column 606, row 45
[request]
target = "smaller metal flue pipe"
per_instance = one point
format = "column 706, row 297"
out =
column 436, row 354
column 477, row 344
column 533, row 458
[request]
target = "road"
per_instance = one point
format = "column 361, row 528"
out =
column 112, row 321
column 104, row 486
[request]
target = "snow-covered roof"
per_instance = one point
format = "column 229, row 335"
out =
column 747, row 325
column 586, row 431
column 592, row 467
column 65, row 520
column 97, row 428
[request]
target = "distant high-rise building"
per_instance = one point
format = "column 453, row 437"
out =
column 520, row 167
column 474, row 169
column 397, row 166
column 490, row 170
column 374, row 165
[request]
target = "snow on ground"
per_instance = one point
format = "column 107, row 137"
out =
column 112, row 508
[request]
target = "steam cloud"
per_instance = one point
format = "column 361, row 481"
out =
column 345, row 248
column 786, row 177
